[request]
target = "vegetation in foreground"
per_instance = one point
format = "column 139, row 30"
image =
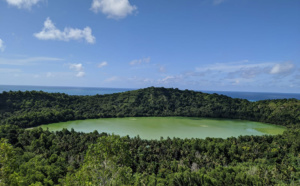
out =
column 40, row 157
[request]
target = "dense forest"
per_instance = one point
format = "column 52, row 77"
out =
column 41, row 157
column 32, row 108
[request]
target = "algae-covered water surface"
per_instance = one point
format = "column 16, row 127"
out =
column 181, row 127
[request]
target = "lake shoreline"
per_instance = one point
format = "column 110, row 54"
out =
column 157, row 127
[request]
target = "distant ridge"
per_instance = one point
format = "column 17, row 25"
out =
column 251, row 96
column 33, row 108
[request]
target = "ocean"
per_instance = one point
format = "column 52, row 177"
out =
column 251, row 96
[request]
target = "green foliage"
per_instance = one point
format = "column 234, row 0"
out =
column 7, row 160
column 106, row 163
column 73, row 158
column 41, row 157
column 28, row 109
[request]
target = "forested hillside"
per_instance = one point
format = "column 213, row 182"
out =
column 28, row 109
column 72, row 158
column 40, row 157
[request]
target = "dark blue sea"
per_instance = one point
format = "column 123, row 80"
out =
column 251, row 96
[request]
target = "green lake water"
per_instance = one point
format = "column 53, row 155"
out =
column 181, row 127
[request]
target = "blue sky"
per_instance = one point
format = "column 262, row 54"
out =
column 229, row 45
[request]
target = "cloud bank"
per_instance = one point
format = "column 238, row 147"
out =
column 26, row 4
column 103, row 64
column 2, row 47
column 246, row 70
column 50, row 32
column 241, row 75
column 140, row 61
column 283, row 68
column 115, row 9
column 111, row 79
column 27, row 61
column 217, row 2
column 78, row 68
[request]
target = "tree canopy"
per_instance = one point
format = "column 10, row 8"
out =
column 32, row 108
column 40, row 157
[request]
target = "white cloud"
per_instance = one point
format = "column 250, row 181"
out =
column 283, row 68
column 172, row 79
column 115, row 9
column 162, row 69
column 234, row 66
column 242, row 69
column 27, row 4
column 194, row 74
column 50, row 32
column 2, row 47
column 27, row 61
column 103, row 64
column 9, row 70
column 80, row 74
column 140, row 61
column 248, row 72
column 114, row 78
column 78, row 68
column 50, row 74
column 236, row 82
column 217, row 2
column 167, row 78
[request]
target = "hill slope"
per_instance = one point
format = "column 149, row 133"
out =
column 32, row 108
column 41, row 157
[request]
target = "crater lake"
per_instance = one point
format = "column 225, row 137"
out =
column 179, row 127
